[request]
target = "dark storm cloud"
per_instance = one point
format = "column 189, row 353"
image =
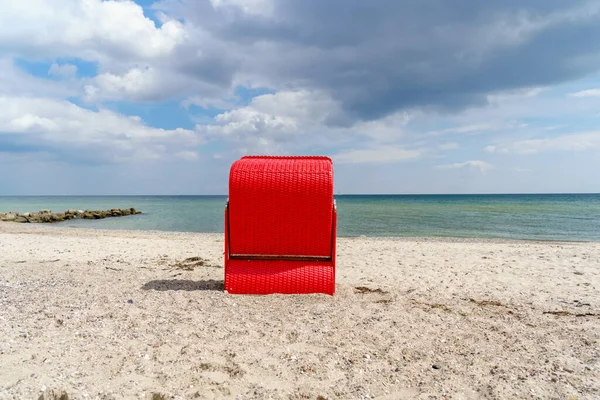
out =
column 377, row 56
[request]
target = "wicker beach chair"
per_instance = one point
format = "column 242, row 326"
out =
column 280, row 226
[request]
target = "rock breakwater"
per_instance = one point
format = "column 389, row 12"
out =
column 47, row 216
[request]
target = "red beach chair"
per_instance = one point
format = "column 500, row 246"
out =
column 280, row 226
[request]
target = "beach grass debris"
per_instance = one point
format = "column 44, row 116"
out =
column 484, row 303
column 439, row 306
column 364, row 289
column 190, row 263
column 54, row 395
column 564, row 313
column 159, row 396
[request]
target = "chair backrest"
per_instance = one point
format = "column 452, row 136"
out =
column 281, row 207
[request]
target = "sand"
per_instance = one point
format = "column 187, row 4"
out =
column 110, row 315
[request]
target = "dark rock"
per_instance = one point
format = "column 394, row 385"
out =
column 46, row 216
column 59, row 217
column 436, row 366
column 11, row 216
column 130, row 301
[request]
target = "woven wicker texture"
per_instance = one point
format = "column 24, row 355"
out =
column 280, row 207
column 279, row 276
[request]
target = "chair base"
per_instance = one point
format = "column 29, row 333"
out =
column 243, row 276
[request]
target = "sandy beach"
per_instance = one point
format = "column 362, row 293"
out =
column 117, row 314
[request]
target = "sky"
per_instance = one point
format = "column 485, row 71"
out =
column 406, row 96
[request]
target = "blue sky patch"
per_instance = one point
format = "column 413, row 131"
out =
column 246, row 94
column 41, row 69
column 167, row 115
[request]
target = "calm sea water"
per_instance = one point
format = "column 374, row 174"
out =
column 573, row 217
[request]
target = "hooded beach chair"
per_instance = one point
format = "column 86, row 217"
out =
column 280, row 226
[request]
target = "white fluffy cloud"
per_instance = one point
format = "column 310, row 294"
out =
column 95, row 29
column 296, row 122
column 285, row 122
column 79, row 133
column 137, row 84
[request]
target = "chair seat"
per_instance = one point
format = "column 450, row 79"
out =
column 279, row 276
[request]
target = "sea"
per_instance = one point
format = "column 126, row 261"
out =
column 563, row 217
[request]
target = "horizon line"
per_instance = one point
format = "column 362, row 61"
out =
column 335, row 194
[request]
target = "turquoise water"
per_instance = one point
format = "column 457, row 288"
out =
column 574, row 217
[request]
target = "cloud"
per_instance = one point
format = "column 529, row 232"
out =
column 188, row 155
column 586, row 93
column 308, row 107
column 58, row 127
column 400, row 55
column 14, row 81
column 253, row 7
column 575, row 142
column 385, row 130
column 205, row 81
column 448, row 146
column 142, row 84
column 295, row 122
column 137, row 59
column 381, row 155
column 94, row 29
column 63, row 71
column 251, row 122
column 476, row 165
column 288, row 122
column 463, row 129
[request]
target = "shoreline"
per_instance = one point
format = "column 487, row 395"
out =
column 63, row 227
column 107, row 314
